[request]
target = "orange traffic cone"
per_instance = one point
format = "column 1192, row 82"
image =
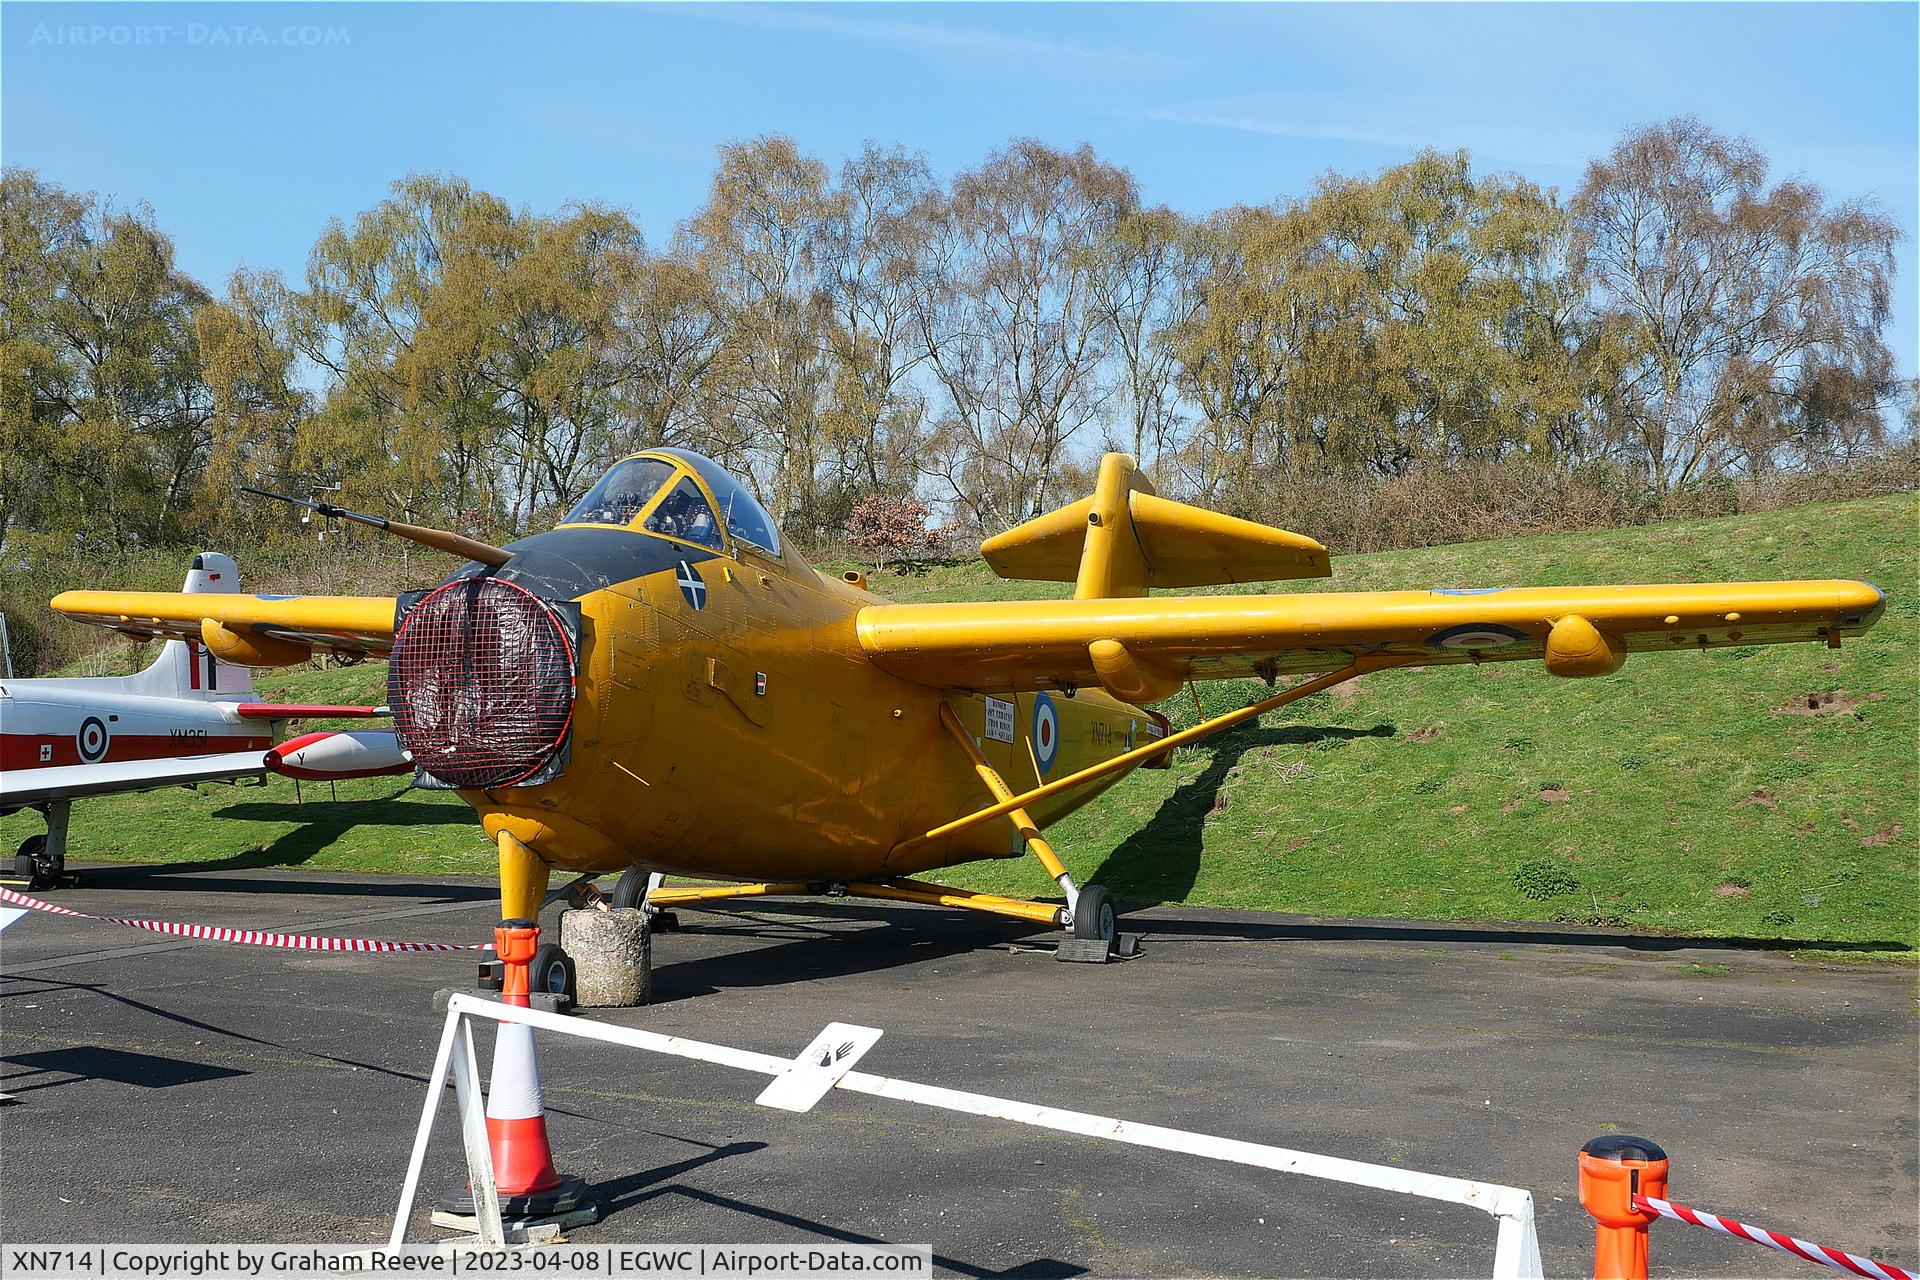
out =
column 516, row 1115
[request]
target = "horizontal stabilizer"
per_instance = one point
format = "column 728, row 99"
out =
column 1125, row 539
column 306, row 711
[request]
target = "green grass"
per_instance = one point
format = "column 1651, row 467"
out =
column 1680, row 794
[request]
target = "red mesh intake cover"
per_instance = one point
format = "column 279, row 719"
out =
column 481, row 683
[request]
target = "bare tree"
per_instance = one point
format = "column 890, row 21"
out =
column 668, row 336
column 1147, row 287
column 759, row 239
column 1731, row 298
column 877, row 243
column 1014, row 323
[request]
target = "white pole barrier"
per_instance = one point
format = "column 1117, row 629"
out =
column 8, row 915
column 1516, row 1251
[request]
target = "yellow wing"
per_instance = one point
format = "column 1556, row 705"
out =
column 260, row 631
column 1141, row 650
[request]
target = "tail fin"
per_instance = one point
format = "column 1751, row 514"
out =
column 1125, row 539
column 184, row 668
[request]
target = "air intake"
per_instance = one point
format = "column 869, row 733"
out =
column 481, row 683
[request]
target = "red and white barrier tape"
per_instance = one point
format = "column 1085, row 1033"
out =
column 247, row 937
column 1838, row 1259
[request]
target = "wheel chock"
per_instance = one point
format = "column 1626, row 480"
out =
column 1083, row 951
column 1127, row 946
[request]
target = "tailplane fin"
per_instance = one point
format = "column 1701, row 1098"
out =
column 1125, row 539
column 184, row 668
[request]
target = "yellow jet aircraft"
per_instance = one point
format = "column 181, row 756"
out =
column 660, row 685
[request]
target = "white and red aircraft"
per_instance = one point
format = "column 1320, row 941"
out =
column 188, row 718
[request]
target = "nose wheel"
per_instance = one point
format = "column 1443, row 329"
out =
column 552, row 972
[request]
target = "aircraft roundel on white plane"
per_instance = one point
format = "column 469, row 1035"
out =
column 92, row 740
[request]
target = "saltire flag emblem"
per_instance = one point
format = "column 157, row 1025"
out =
column 692, row 585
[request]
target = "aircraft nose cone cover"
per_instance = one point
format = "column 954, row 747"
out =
column 481, row 683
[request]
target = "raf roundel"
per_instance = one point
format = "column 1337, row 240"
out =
column 92, row 740
column 1475, row 636
column 1046, row 732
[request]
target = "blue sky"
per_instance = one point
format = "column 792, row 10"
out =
column 247, row 127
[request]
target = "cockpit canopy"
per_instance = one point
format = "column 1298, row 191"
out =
column 678, row 492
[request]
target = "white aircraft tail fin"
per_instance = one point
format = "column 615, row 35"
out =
column 184, row 668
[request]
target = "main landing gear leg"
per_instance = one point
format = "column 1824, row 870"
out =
column 1093, row 926
column 41, row 862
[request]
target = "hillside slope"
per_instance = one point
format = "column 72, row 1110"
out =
column 1761, row 793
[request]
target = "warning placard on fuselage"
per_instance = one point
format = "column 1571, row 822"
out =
column 999, row 720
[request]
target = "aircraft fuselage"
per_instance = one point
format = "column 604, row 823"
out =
column 728, row 724
column 68, row 737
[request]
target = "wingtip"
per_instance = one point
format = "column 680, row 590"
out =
column 1861, row 604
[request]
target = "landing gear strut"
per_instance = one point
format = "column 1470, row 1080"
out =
column 41, row 861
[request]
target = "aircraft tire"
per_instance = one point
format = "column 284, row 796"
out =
column 1094, row 915
column 630, row 890
column 33, row 865
column 551, row 971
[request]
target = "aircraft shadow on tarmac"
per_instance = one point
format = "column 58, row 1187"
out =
column 118, row 1066
column 902, row 936
column 321, row 823
column 1161, row 861
column 811, row 951
column 1503, row 935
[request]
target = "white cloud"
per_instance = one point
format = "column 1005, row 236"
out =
column 1443, row 126
column 924, row 35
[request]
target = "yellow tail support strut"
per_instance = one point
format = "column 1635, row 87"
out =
column 939, row 895
column 1128, row 759
column 894, row 890
column 665, row 897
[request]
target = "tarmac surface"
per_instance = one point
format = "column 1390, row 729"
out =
column 181, row 1091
